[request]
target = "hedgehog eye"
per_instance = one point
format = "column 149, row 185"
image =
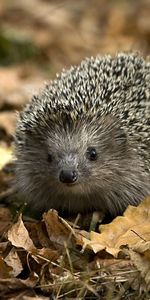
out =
column 91, row 153
column 49, row 158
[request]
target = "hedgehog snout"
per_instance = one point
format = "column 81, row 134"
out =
column 68, row 176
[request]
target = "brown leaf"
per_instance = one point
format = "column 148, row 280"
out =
column 13, row 260
column 59, row 231
column 27, row 295
column 43, row 236
column 140, row 257
column 10, row 284
column 4, row 246
column 19, row 236
column 45, row 254
column 5, row 270
column 142, row 263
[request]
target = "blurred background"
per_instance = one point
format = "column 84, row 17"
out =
column 40, row 37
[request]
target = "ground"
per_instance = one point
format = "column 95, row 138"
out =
column 37, row 39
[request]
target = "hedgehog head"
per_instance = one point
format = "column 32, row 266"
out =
column 76, row 144
column 73, row 161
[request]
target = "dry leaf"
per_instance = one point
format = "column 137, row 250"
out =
column 13, row 284
column 5, row 270
column 59, row 231
column 48, row 255
column 13, row 260
column 143, row 248
column 27, row 295
column 143, row 265
column 4, row 246
column 42, row 235
column 19, row 236
column 140, row 256
column 128, row 229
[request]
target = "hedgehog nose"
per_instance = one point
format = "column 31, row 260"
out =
column 68, row 176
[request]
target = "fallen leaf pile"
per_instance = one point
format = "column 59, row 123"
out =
column 54, row 258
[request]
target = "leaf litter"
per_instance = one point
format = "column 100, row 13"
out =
column 51, row 258
column 68, row 262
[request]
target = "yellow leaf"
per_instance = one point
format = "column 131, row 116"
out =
column 129, row 229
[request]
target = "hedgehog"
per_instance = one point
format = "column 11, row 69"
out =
column 82, row 144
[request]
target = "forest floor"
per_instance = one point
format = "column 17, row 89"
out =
column 37, row 39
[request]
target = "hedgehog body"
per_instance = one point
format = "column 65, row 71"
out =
column 82, row 144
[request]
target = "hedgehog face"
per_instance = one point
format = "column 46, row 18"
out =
column 74, row 160
column 73, row 156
